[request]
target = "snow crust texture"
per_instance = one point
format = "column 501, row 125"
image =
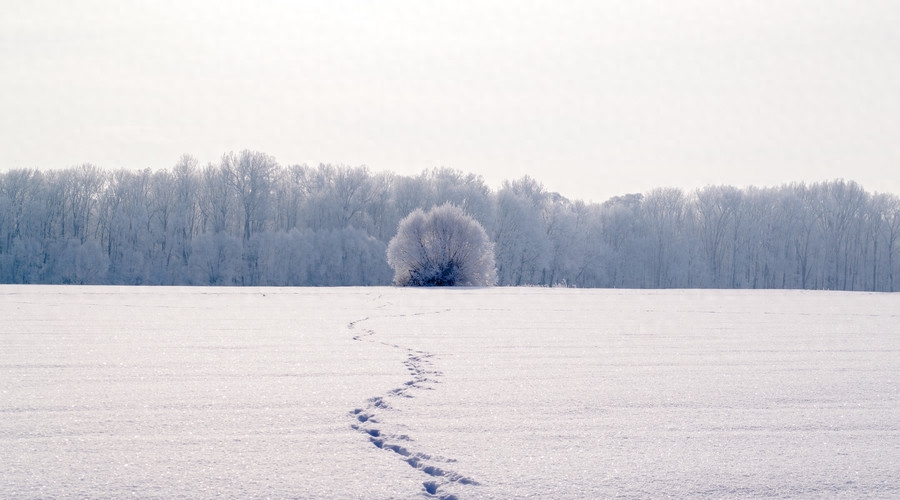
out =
column 396, row 393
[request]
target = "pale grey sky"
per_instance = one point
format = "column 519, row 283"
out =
column 593, row 98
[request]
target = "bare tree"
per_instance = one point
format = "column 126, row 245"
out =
column 665, row 212
column 251, row 175
column 717, row 207
column 215, row 200
column 523, row 247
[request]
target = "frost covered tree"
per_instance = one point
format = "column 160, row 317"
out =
column 252, row 222
column 250, row 175
column 441, row 247
column 523, row 247
column 216, row 259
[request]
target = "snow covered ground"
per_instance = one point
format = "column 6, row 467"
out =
column 473, row 393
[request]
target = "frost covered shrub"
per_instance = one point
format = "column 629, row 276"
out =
column 443, row 247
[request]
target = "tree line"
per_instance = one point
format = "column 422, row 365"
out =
column 247, row 220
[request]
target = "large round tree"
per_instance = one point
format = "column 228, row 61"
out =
column 441, row 247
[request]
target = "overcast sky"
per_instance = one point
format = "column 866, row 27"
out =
column 594, row 98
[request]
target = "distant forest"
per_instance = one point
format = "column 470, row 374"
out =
column 249, row 221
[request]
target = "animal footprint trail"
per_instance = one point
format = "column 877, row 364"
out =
column 371, row 420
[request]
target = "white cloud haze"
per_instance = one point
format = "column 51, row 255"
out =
column 594, row 99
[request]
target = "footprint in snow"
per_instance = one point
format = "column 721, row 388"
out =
column 419, row 365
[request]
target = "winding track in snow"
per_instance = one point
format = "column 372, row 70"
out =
column 371, row 419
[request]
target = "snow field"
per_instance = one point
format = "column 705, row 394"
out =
column 597, row 394
column 192, row 393
column 466, row 393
